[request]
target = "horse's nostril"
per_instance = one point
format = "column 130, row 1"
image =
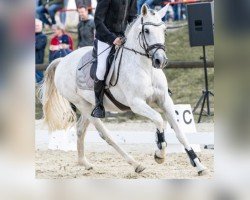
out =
column 157, row 61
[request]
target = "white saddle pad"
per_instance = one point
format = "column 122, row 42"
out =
column 83, row 78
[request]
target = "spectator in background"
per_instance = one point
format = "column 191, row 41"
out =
column 85, row 28
column 141, row 2
column 50, row 7
column 64, row 12
column 37, row 4
column 179, row 11
column 85, row 3
column 169, row 14
column 61, row 44
column 183, row 11
column 40, row 44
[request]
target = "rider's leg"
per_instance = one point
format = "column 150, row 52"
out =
column 99, row 110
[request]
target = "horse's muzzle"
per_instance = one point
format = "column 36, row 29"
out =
column 159, row 60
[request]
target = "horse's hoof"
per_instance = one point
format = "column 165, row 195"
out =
column 201, row 169
column 85, row 164
column 89, row 167
column 158, row 159
column 139, row 169
column 202, row 172
column 80, row 163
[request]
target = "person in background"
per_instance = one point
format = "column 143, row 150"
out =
column 61, row 44
column 36, row 6
column 177, row 10
column 85, row 28
column 37, row 3
column 40, row 44
column 169, row 14
column 63, row 13
column 50, row 7
column 141, row 2
column 85, row 3
column 183, row 11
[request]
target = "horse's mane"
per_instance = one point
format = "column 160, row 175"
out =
column 129, row 26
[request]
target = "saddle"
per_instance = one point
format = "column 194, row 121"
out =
column 86, row 71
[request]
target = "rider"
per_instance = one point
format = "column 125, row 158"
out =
column 111, row 19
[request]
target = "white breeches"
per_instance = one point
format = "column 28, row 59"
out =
column 102, row 59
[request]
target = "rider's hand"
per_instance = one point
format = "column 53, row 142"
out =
column 117, row 41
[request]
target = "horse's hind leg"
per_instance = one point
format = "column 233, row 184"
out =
column 81, row 128
column 86, row 108
column 168, row 107
column 104, row 135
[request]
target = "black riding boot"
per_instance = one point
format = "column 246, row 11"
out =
column 99, row 111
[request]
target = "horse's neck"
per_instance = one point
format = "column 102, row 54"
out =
column 138, row 60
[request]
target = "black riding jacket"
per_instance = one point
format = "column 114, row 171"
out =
column 112, row 17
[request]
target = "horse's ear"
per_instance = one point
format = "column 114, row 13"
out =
column 144, row 9
column 163, row 11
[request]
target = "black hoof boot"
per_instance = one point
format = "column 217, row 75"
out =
column 99, row 111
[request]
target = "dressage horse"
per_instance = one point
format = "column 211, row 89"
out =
column 141, row 82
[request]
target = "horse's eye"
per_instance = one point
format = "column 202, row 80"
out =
column 146, row 31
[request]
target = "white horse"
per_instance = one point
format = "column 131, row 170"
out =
column 139, row 85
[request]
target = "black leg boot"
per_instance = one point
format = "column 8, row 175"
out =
column 192, row 155
column 99, row 111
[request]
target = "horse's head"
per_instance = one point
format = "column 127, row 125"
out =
column 152, row 35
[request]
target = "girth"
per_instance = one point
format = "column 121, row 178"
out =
column 115, row 102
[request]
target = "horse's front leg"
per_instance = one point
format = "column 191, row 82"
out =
column 140, row 107
column 168, row 107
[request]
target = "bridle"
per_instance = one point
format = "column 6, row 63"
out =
column 144, row 44
column 143, row 41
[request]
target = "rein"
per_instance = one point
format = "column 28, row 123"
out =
column 136, row 52
column 94, row 59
